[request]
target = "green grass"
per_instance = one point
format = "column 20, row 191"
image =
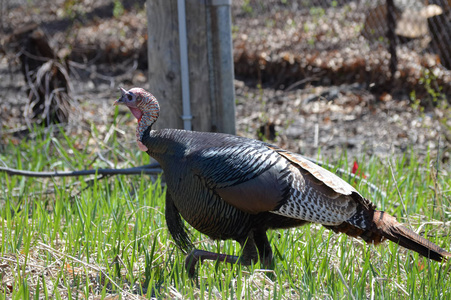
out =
column 79, row 237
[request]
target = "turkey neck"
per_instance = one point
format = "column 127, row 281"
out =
column 145, row 125
column 165, row 144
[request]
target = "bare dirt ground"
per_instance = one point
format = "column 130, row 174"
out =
column 353, row 122
column 107, row 51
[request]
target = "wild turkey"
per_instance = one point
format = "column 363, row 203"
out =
column 231, row 187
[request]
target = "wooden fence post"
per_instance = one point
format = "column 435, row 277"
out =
column 210, row 83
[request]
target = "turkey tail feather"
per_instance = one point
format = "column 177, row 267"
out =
column 388, row 227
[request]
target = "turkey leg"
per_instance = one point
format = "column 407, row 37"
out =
column 256, row 240
column 193, row 258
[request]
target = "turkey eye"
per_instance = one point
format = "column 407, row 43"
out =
column 129, row 97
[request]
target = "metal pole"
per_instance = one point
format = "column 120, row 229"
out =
column 184, row 70
column 223, row 63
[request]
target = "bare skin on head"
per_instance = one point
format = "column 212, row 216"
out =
column 143, row 106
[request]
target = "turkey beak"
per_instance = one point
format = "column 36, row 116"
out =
column 120, row 101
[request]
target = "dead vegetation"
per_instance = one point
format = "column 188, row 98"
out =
column 306, row 76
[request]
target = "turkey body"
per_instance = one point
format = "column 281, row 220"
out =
column 199, row 166
column 230, row 187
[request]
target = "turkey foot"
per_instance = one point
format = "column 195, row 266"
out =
column 193, row 258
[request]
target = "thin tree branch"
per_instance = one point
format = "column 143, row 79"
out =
column 146, row 169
